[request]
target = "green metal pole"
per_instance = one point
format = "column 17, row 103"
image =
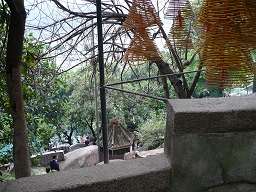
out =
column 102, row 82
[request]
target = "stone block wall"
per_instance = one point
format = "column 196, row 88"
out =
column 45, row 158
column 149, row 174
column 211, row 144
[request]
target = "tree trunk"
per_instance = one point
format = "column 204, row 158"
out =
column 177, row 83
column 21, row 155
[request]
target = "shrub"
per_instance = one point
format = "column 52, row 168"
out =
column 153, row 127
column 6, row 154
column 34, row 161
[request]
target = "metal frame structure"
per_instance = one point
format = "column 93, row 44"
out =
column 103, row 86
column 102, row 82
column 110, row 86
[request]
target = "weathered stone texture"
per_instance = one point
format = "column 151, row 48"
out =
column 234, row 187
column 76, row 146
column 149, row 174
column 82, row 157
column 211, row 143
column 213, row 115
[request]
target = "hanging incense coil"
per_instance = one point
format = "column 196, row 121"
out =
column 227, row 35
column 247, row 35
column 142, row 14
column 179, row 34
column 176, row 7
column 228, row 13
column 252, row 8
column 216, row 11
column 226, row 63
column 211, row 42
column 223, row 78
column 142, row 48
column 225, row 47
column 248, row 29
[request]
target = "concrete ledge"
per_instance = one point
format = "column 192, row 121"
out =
column 213, row 115
column 210, row 144
column 150, row 174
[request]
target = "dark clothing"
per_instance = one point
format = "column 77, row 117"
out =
column 54, row 164
column 87, row 143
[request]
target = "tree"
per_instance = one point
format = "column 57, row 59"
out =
column 14, row 83
column 130, row 109
column 80, row 22
column 69, row 37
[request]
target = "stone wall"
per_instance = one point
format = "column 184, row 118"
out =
column 45, row 158
column 149, row 174
column 211, row 144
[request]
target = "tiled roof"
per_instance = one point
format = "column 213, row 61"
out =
column 119, row 137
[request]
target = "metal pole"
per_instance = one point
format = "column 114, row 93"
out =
column 102, row 82
column 96, row 113
column 96, row 96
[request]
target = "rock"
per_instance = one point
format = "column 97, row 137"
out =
column 142, row 154
column 76, row 146
column 83, row 157
column 130, row 155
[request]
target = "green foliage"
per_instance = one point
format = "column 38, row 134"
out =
column 80, row 114
column 156, row 143
column 34, row 161
column 154, row 127
column 5, row 127
column 6, row 176
column 6, row 153
column 40, row 134
column 39, row 87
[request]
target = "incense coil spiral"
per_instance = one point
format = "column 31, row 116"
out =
column 179, row 34
column 227, row 11
column 142, row 48
column 142, row 14
column 228, row 31
column 225, row 48
column 176, row 6
column 226, row 78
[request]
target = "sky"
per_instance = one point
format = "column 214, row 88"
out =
column 40, row 10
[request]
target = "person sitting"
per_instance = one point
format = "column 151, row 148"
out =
column 54, row 164
column 87, row 141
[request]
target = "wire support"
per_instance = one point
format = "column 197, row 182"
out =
column 154, row 77
column 135, row 93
